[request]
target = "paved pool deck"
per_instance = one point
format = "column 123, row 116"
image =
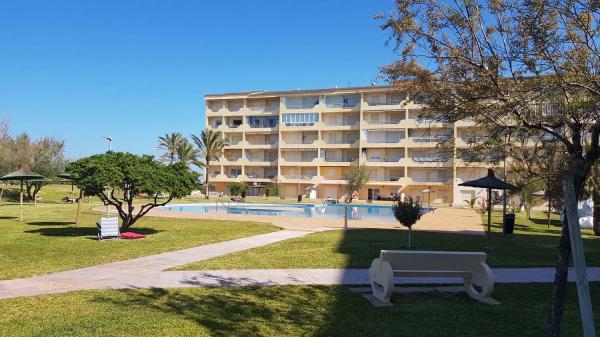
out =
column 447, row 220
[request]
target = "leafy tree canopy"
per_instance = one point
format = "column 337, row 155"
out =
column 119, row 177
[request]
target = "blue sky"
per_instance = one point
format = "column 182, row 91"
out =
column 134, row 70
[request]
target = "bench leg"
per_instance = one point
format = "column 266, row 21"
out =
column 382, row 280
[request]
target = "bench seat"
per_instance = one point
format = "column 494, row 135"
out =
column 470, row 266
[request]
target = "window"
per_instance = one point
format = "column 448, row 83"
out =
column 300, row 119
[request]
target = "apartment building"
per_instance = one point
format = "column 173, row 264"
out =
column 304, row 141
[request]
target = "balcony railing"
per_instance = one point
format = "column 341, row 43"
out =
column 384, row 178
column 260, row 159
column 342, row 141
column 384, row 160
column 214, row 175
column 310, row 141
column 260, row 176
column 263, row 142
column 234, row 141
column 300, row 123
column 301, row 176
column 341, row 105
column 348, row 122
column 387, row 121
column 474, row 139
column 299, row 160
column 387, row 140
column 390, row 102
column 430, row 159
column 429, row 139
column 263, row 124
column 430, row 179
column 340, row 160
column 233, row 175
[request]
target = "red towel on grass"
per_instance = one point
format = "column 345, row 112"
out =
column 131, row 235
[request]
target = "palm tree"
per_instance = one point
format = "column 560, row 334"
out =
column 186, row 153
column 210, row 144
column 169, row 143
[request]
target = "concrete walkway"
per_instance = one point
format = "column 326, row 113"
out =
column 148, row 272
column 144, row 271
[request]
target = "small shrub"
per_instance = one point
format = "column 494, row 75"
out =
column 407, row 213
column 272, row 191
column 236, row 189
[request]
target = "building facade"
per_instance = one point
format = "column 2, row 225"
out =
column 304, row 141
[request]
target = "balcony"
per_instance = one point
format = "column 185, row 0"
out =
column 347, row 141
column 264, row 108
column 260, row 176
column 430, row 158
column 430, row 179
column 384, row 159
column 429, row 139
column 340, row 160
column 346, row 122
column 385, row 177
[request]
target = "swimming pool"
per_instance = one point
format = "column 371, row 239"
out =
column 355, row 212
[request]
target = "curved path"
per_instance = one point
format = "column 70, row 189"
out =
column 148, row 272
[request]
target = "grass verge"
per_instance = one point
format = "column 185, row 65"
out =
column 283, row 311
column 532, row 245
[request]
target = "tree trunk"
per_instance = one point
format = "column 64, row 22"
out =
column 206, row 181
column 572, row 187
column 28, row 188
column 559, row 293
column 597, row 217
column 409, row 231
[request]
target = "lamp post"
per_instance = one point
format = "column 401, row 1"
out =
column 109, row 139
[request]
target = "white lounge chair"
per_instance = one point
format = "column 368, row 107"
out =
column 108, row 228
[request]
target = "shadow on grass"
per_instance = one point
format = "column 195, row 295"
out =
column 51, row 223
column 229, row 311
column 82, row 231
column 8, row 217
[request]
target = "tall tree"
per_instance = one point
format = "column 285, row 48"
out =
column 47, row 159
column 118, row 177
column 210, row 145
column 357, row 177
column 513, row 66
column 169, row 144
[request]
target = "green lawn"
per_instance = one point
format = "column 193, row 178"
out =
column 283, row 311
column 48, row 241
column 532, row 245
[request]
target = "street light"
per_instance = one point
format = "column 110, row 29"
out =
column 109, row 139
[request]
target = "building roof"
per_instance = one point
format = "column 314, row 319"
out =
column 265, row 94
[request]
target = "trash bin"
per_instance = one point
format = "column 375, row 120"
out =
column 299, row 197
column 509, row 223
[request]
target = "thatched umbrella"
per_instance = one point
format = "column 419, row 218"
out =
column 489, row 182
column 21, row 175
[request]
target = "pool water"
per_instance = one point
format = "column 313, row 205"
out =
column 355, row 212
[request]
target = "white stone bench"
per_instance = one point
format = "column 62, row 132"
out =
column 470, row 266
